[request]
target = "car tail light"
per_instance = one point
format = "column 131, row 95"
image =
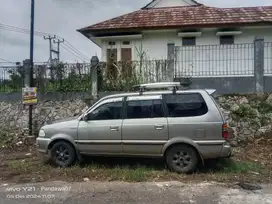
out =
column 225, row 133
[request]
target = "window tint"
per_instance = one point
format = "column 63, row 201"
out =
column 144, row 109
column 188, row 41
column 186, row 105
column 108, row 111
column 227, row 40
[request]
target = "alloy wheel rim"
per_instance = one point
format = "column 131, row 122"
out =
column 182, row 159
column 62, row 154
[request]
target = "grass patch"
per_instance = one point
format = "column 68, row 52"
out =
column 100, row 172
column 127, row 174
column 19, row 165
column 18, row 168
column 232, row 166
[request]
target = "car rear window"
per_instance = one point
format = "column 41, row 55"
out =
column 186, row 105
column 144, row 109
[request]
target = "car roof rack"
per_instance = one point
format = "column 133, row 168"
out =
column 160, row 85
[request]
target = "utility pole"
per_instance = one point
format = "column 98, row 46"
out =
column 58, row 41
column 31, row 84
column 50, row 38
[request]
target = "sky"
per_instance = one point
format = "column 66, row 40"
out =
column 63, row 18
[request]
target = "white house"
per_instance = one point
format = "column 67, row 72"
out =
column 204, row 37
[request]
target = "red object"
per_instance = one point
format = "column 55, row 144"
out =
column 225, row 133
column 185, row 17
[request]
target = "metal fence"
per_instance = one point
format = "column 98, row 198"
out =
column 11, row 78
column 268, row 58
column 208, row 65
column 123, row 75
column 77, row 77
column 64, row 77
column 214, row 60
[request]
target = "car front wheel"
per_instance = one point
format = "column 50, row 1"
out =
column 63, row 154
column 182, row 159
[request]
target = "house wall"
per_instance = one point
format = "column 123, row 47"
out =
column 155, row 43
column 203, row 59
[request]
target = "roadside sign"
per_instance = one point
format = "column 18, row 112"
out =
column 30, row 96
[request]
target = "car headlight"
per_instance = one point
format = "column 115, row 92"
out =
column 41, row 133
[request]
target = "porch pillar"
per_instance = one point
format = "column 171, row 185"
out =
column 259, row 64
column 171, row 62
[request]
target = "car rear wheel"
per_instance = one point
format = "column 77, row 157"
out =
column 182, row 159
column 63, row 154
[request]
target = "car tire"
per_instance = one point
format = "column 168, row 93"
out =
column 182, row 159
column 63, row 154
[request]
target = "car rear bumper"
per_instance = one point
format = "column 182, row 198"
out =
column 42, row 144
column 226, row 150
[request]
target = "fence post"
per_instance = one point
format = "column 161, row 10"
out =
column 259, row 64
column 94, row 66
column 171, row 61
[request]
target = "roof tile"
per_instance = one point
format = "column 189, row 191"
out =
column 185, row 16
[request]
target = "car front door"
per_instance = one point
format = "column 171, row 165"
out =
column 145, row 129
column 100, row 131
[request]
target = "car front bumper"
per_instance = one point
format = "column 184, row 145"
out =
column 42, row 144
column 226, row 150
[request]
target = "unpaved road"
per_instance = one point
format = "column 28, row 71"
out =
column 131, row 193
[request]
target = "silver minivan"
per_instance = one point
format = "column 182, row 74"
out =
column 183, row 126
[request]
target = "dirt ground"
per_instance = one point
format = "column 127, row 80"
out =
column 134, row 193
column 252, row 163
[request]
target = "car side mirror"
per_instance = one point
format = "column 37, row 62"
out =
column 85, row 118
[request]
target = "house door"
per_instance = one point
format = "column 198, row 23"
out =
column 111, row 60
column 126, row 57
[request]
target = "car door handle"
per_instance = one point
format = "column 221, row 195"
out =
column 159, row 127
column 113, row 128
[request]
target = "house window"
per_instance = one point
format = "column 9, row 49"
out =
column 111, row 43
column 126, row 43
column 186, row 41
column 227, row 40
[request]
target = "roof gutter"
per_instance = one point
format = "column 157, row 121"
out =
column 215, row 25
column 139, row 36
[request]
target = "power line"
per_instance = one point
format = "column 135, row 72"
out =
column 71, row 48
column 75, row 53
column 7, row 61
column 72, row 53
column 76, row 50
column 20, row 30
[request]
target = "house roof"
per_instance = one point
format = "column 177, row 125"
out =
column 187, row 16
column 146, row 6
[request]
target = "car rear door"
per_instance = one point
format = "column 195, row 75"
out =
column 144, row 129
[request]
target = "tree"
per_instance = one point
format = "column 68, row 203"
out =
column 16, row 76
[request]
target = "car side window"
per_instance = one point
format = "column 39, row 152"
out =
column 186, row 105
column 108, row 111
column 144, row 109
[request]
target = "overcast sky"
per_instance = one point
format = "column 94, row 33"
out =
column 63, row 17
